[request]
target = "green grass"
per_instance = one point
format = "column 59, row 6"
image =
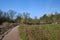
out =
column 40, row 32
column 53, row 30
column 22, row 35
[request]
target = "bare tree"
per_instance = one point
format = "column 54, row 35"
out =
column 11, row 14
column 25, row 17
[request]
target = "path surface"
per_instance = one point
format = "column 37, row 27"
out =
column 12, row 35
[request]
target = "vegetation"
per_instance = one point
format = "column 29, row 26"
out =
column 5, row 19
column 45, row 19
column 23, row 36
column 7, row 16
column 44, row 28
column 10, row 16
column 40, row 32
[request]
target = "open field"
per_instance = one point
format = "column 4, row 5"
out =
column 40, row 32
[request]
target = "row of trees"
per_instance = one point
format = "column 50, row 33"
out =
column 45, row 19
column 12, row 16
column 7, row 16
column 51, row 18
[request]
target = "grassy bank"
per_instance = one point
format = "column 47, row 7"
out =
column 40, row 32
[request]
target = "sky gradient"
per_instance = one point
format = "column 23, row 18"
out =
column 34, row 7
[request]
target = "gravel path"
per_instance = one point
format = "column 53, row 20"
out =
column 12, row 35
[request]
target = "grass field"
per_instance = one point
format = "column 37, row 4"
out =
column 40, row 32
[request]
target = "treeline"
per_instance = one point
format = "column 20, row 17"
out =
column 45, row 19
column 24, row 18
column 6, row 16
column 50, row 18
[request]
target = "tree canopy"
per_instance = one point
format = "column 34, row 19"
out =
column 26, row 19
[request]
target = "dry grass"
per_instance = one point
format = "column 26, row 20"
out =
column 42, row 32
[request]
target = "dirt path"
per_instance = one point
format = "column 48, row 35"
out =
column 12, row 35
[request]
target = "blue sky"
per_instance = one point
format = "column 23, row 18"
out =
column 34, row 7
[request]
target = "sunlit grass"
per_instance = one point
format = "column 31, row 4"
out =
column 40, row 32
column 22, row 35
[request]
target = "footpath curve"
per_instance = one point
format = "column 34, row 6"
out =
column 13, row 34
